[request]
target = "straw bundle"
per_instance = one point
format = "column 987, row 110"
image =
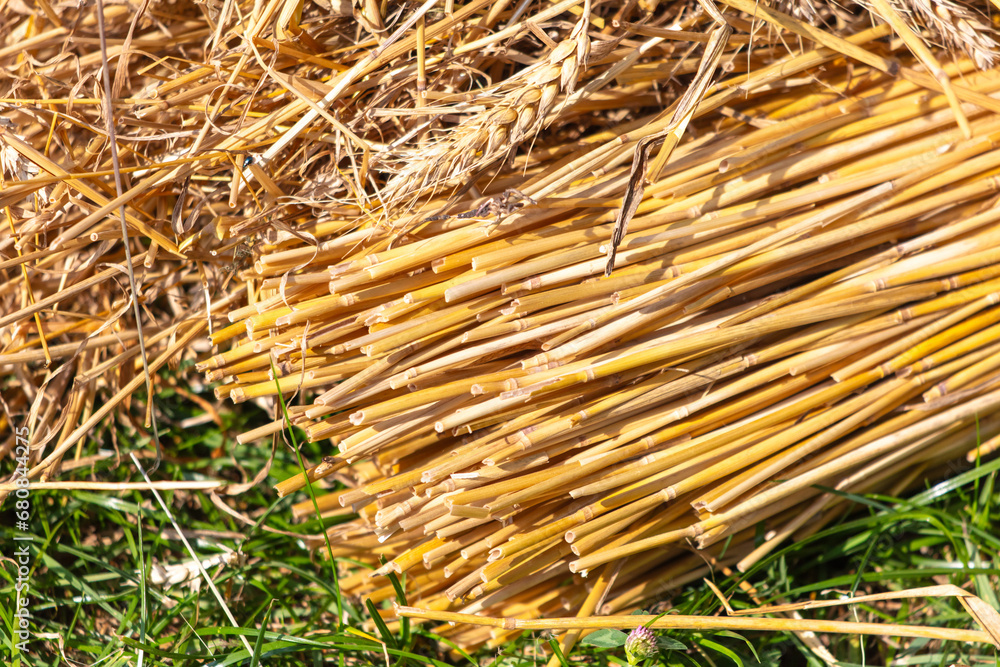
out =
column 803, row 287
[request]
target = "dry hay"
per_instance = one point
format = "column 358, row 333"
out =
column 419, row 208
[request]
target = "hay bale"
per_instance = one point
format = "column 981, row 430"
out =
column 566, row 291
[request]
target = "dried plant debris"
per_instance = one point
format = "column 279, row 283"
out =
column 500, row 119
column 402, row 220
column 957, row 26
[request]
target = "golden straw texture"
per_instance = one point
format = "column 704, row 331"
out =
column 402, row 223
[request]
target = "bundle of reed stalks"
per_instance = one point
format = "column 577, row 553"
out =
column 575, row 294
